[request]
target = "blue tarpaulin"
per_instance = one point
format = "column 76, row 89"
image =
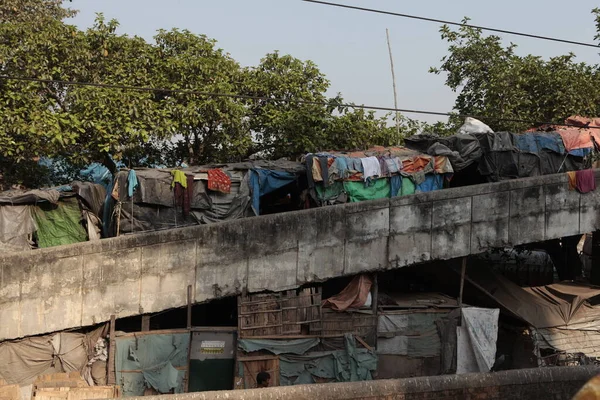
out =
column 536, row 142
column 264, row 181
column 432, row 182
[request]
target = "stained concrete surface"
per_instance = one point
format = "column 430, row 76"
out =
column 83, row 284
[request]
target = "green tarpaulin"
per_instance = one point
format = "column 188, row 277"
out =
column 359, row 191
column 160, row 357
column 297, row 346
column 331, row 192
column 297, row 367
column 59, row 224
column 408, row 187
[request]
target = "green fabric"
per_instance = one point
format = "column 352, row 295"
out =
column 178, row 177
column 297, row 346
column 359, row 191
column 157, row 356
column 349, row 365
column 211, row 375
column 331, row 192
column 59, row 224
column 408, row 187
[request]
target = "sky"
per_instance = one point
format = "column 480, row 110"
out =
column 350, row 46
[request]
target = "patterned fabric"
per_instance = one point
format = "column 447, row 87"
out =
column 219, row 181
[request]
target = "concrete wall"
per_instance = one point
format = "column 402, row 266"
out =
column 78, row 285
column 558, row 383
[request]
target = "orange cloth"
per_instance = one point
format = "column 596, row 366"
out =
column 353, row 296
column 575, row 138
column 572, row 180
column 415, row 164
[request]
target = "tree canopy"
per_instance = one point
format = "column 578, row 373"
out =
column 493, row 81
column 80, row 124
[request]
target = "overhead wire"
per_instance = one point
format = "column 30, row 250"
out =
column 281, row 100
column 441, row 21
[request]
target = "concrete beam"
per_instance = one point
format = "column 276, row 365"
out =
column 83, row 284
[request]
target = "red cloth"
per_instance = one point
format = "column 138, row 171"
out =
column 586, row 181
column 183, row 196
column 219, row 181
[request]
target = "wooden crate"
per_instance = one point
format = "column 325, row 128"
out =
column 288, row 313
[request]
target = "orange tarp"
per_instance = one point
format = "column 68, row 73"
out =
column 353, row 296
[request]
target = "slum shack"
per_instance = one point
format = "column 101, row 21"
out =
column 152, row 199
column 50, row 217
column 377, row 173
column 292, row 336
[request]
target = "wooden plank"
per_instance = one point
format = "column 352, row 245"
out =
column 189, row 307
column 112, row 375
column 156, row 332
column 214, row 329
column 256, row 358
column 361, row 341
column 145, row 323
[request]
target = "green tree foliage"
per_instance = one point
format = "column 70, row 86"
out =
column 80, row 124
column 493, row 81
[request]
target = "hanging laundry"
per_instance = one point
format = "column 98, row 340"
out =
column 396, row 185
column 132, row 183
column 183, row 194
column 392, row 165
column 385, row 171
column 371, row 167
column 178, row 177
column 219, row 181
column 323, row 162
column 572, row 180
column 586, row 181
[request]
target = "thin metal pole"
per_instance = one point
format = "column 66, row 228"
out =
column 387, row 34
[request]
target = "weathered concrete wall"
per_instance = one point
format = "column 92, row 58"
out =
column 64, row 287
column 559, row 383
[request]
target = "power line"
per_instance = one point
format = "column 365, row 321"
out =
column 440, row 21
column 291, row 101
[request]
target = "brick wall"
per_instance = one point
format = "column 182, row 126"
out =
column 557, row 383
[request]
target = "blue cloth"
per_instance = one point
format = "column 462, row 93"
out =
column 396, row 184
column 341, row 163
column 536, row 142
column 580, row 152
column 264, row 181
column 551, row 141
column 355, row 164
column 132, row 183
column 109, row 204
column 432, row 182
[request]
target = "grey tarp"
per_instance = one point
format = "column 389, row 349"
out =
column 565, row 316
column 161, row 359
column 543, row 306
column 476, row 340
column 16, row 224
column 412, row 334
column 295, row 346
column 92, row 194
column 30, row 197
column 461, row 150
column 22, row 361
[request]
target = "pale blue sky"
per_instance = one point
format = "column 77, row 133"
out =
column 349, row 46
